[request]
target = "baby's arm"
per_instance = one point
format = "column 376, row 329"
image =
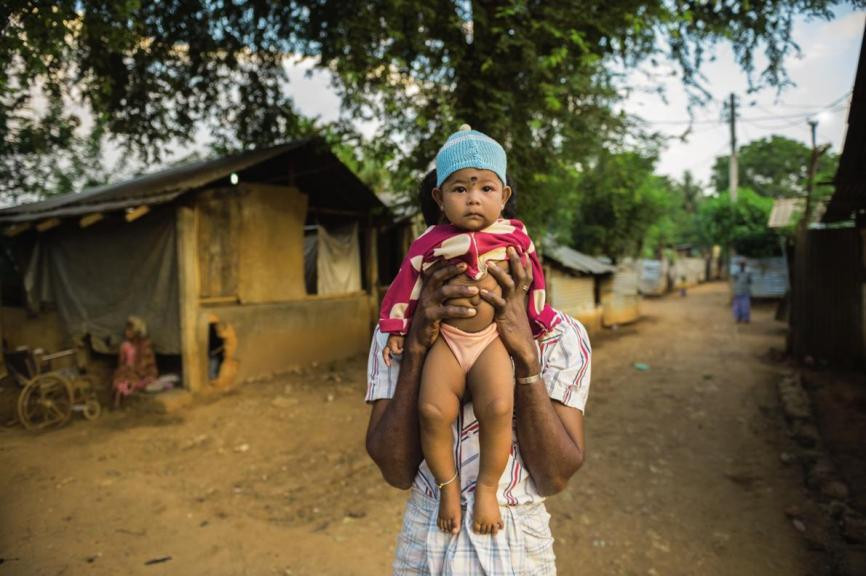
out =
column 394, row 347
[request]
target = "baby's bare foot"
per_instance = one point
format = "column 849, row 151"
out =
column 487, row 519
column 449, row 508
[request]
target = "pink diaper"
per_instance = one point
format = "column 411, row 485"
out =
column 467, row 346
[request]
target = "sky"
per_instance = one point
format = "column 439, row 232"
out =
column 822, row 74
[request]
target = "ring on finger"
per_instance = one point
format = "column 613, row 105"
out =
column 525, row 288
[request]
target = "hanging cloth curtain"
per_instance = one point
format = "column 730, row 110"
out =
column 99, row 276
column 338, row 264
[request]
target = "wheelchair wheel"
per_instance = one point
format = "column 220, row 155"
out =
column 92, row 409
column 45, row 402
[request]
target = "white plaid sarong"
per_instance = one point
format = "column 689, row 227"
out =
column 523, row 548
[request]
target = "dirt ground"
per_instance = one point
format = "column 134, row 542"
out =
column 683, row 474
column 839, row 401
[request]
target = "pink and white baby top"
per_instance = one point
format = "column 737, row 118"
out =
column 476, row 249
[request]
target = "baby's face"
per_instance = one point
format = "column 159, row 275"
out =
column 472, row 199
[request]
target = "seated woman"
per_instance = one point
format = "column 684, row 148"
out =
column 136, row 362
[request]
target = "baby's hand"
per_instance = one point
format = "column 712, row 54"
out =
column 394, row 347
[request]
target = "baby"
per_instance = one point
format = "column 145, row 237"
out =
column 471, row 192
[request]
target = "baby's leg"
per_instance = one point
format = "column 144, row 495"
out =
column 491, row 381
column 442, row 384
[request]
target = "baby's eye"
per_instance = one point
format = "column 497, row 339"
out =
column 459, row 189
column 488, row 188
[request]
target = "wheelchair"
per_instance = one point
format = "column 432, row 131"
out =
column 52, row 388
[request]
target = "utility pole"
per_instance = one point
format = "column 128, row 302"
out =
column 733, row 174
column 813, row 167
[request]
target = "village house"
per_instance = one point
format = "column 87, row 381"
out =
column 828, row 299
column 576, row 283
column 241, row 266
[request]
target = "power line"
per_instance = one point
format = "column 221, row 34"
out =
column 681, row 122
column 777, row 126
column 834, row 106
column 757, row 122
column 801, row 115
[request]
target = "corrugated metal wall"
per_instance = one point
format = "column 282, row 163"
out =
column 827, row 316
column 769, row 275
column 689, row 271
column 653, row 277
column 570, row 294
column 619, row 296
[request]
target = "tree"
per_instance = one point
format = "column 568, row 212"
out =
column 776, row 167
column 677, row 222
column 620, row 199
column 74, row 161
column 533, row 74
column 690, row 192
column 741, row 225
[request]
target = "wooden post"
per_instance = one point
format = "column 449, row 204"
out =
column 48, row 224
column 372, row 270
column 863, row 292
column 191, row 334
column 136, row 213
column 16, row 229
column 816, row 154
column 91, row 219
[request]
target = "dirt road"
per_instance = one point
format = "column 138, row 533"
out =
column 683, row 475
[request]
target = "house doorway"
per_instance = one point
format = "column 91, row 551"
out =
column 221, row 350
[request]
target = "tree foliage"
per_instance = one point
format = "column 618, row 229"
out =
column 677, row 222
column 741, row 225
column 533, row 74
column 776, row 167
column 620, row 199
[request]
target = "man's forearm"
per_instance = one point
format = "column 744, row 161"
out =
column 393, row 439
column 550, row 453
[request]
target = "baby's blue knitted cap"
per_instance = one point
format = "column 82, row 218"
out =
column 469, row 148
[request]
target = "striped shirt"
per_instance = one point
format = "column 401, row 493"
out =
column 566, row 365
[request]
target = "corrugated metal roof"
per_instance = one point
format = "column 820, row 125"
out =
column 303, row 158
column 784, row 212
column 574, row 260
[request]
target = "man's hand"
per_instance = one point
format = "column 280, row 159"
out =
column 511, row 318
column 550, row 434
column 392, row 433
column 433, row 304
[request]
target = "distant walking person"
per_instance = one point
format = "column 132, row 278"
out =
column 742, row 294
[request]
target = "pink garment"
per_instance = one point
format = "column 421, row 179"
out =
column 467, row 346
column 127, row 353
column 136, row 367
column 447, row 242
